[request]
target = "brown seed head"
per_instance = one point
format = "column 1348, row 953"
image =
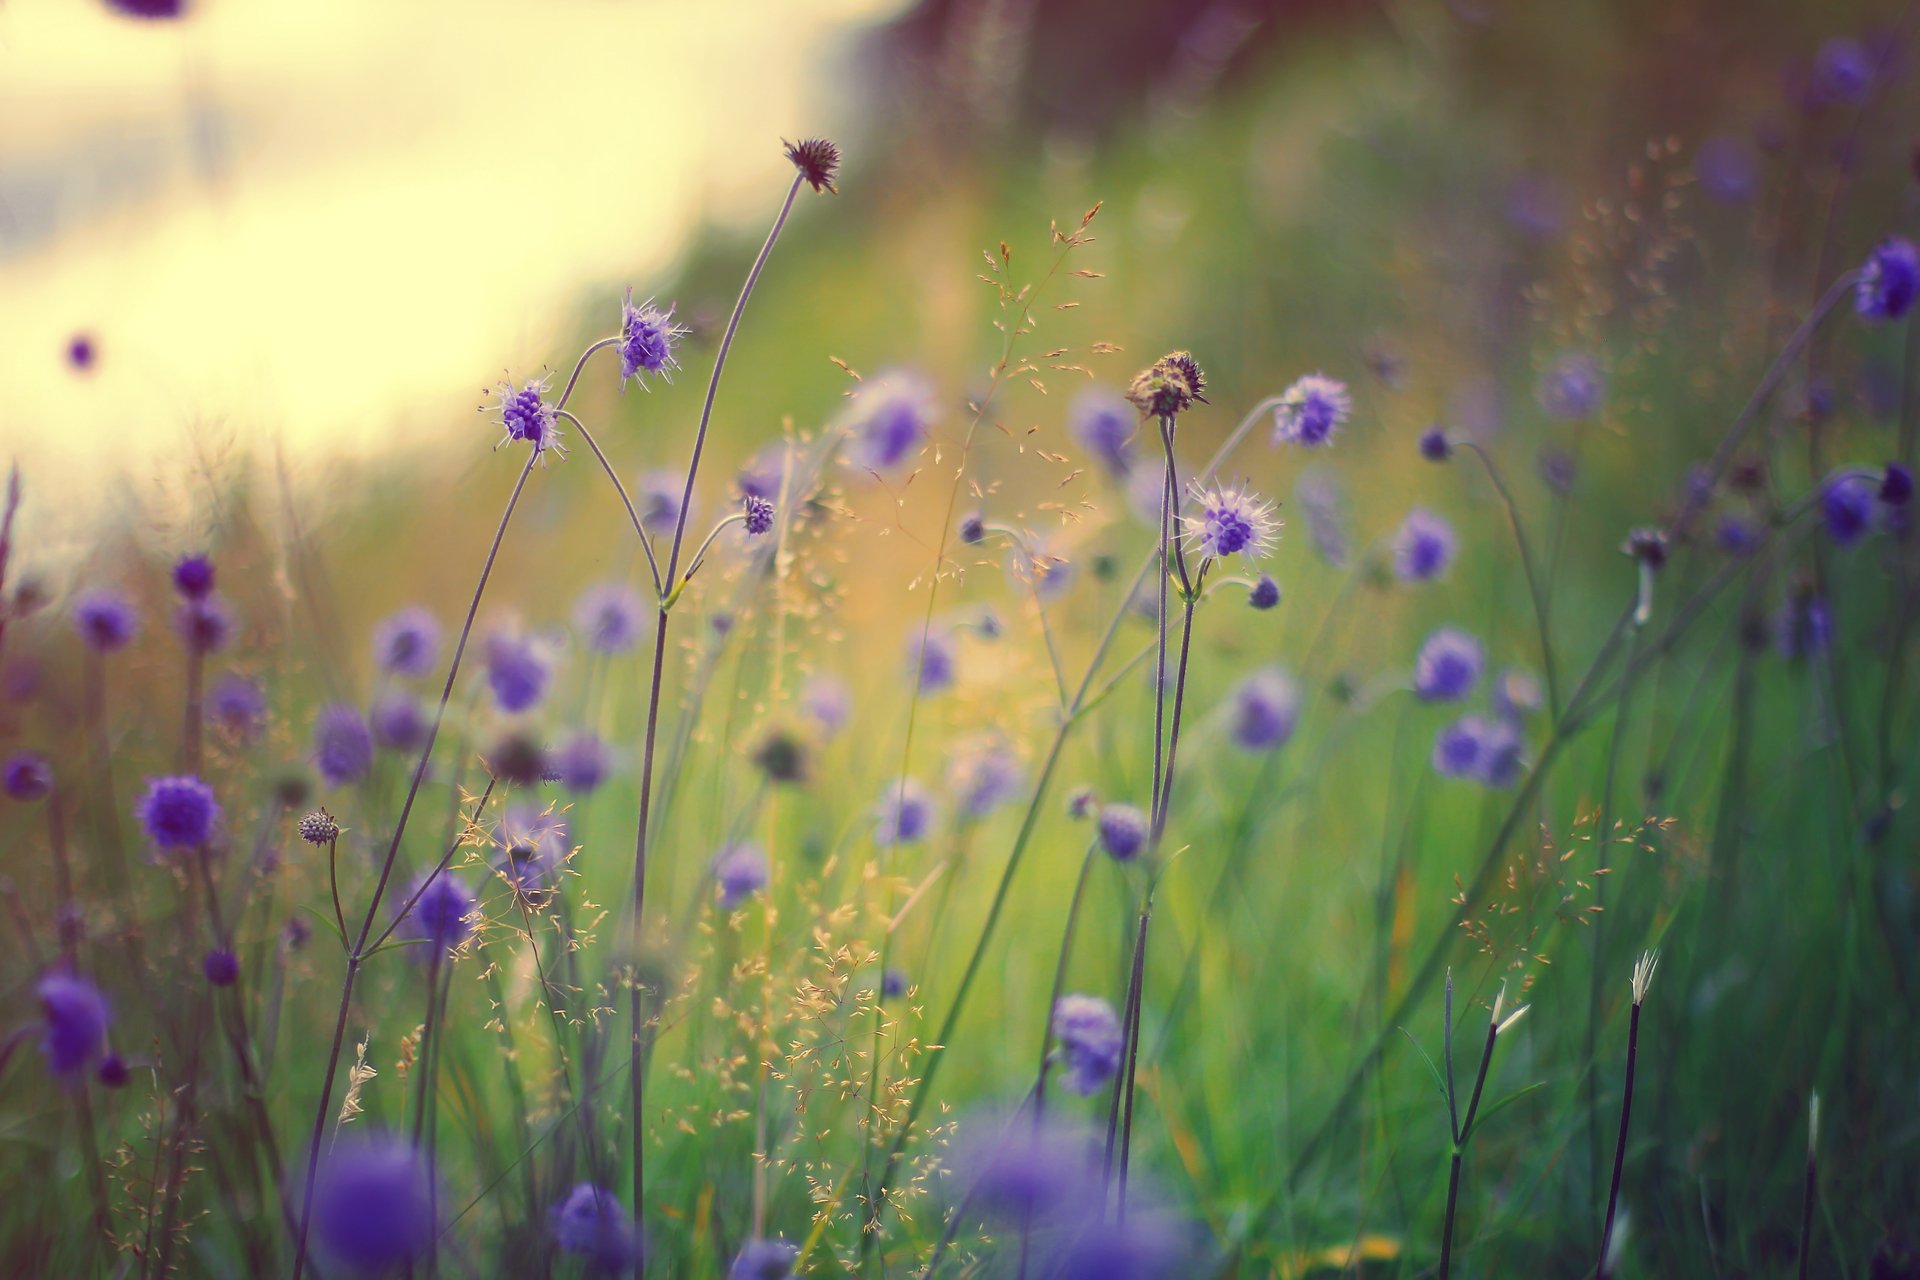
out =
column 817, row 160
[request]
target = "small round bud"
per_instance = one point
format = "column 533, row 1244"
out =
column 1434, row 445
column 1265, row 594
column 319, row 827
column 112, row 1071
column 759, row 515
column 1170, row 386
column 973, row 528
column 1123, row 831
column 221, row 967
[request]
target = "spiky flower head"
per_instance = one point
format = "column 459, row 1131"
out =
column 1889, row 280
column 1311, row 410
column 1643, row 974
column 1423, row 549
column 1168, row 387
column 525, row 415
column 178, row 812
column 1448, row 665
column 319, row 827
column 1231, row 520
column 1090, row 1042
column 647, row 339
column 1648, row 546
column 758, row 513
column 818, row 160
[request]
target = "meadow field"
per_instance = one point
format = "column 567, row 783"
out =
column 1227, row 640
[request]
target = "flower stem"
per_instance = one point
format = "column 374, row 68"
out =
column 1620, row 1147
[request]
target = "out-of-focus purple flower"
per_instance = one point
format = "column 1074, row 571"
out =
column 27, row 776
column 931, row 658
column 656, row 499
column 1572, row 387
column 647, row 338
column 112, row 1072
column 537, row 844
column 1319, row 498
column 1889, row 280
column 1478, row 749
column 1448, row 665
column 593, row 1224
column 827, row 702
column 904, row 814
column 1537, row 206
column 582, row 763
column 1842, row 73
column 1737, row 536
column 893, row 984
column 890, row 419
column 193, row 576
column 1311, row 410
column 1123, row 831
column 1517, row 694
column 373, row 1204
column 1031, row 563
column 81, row 349
column 407, row 643
column 1423, row 548
column 204, row 624
column 75, row 1016
column 609, row 617
column 760, row 478
column 1557, row 470
column 1024, row 1173
column 1265, row 593
column 517, row 670
column 1847, row 506
column 523, row 412
column 237, row 705
column 1264, row 709
column 1102, row 422
column 1088, row 1032
column 1144, row 1247
column 1727, row 168
column 1231, row 521
column 399, row 721
column 1434, row 445
column 1804, row 627
column 739, row 872
column 342, row 744
column 1896, row 485
column 105, row 619
column 984, row 777
column 177, row 812
column 764, row 1260
column 440, row 917
column 220, row 967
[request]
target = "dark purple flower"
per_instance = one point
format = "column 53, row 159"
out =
column 891, row 418
column 647, row 338
column 932, row 657
column 1737, row 536
column 582, row 763
column 537, row 844
column 1434, row 445
column 178, row 812
column 105, row 619
column 149, row 10
column 1265, row 708
column 973, row 528
column 893, row 984
column 817, row 159
column 517, row 670
column 76, row 1019
column 739, row 872
column 1448, row 666
column 373, row 1203
column 657, row 495
column 1847, row 506
column 758, row 514
column 1423, row 548
column 1896, row 485
column 1088, row 1031
column 1572, row 387
column 237, row 705
column 764, row 1260
column 27, row 776
column 440, row 917
column 342, row 744
column 904, row 815
column 112, row 1072
column 1480, row 750
column 1888, row 280
column 193, row 577
column 81, row 352
column 984, row 777
column 399, row 721
column 1557, row 470
column 1123, row 831
column 1842, row 73
column 1727, row 168
column 1103, row 423
column 407, row 643
column 592, row 1223
column 1265, row 593
column 221, row 967
column 204, row 625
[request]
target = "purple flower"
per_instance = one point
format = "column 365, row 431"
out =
column 1727, row 168
column 1230, row 521
column 893, row 984
column 1847, row 506
column 1478, row 749
column 27, row 776
column 582, row 763
column 1090, row 1042
column 221, row 967
column 112, row 1072
column 1265, row 593
column 237, row 705
column 399, row 721
column 193, row 577
column 592, row 1223
column 764, row 1260
column 1423, row 548
column 1265, row 708
column 440, row 917
column 904, row 814
column 647, row 338
column 342, row 744
column 1804, row 627
column 1557, row 470
column 609, row 617
column 525, row 415
column 758, row 513
column 1030, row 563
column 761, row 476
column 1448, row 666
column 407, row 643
column 1896, row 485
column 204, row 624
column 1888, row 280
column 1123, row 831
column 1434, row 445
column 537, row 844
column 1842, row 73
column 1311, row 410
column 178, row 812
column 1023, row 1173
column 373, row 1204
column 1572, row 387
column 517, row 670
column 1517, row 694
column 105, row 619
column 827, row 702
column 76, row 1017
column 1737, row 536
column 656, row 499
column 81, row 351
column 932, row 658
column 739, row 871
column 983, row 778
column 1102, row 422
column 891, row 419
column 319, row 827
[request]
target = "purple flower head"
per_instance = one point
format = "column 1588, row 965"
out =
column 583, row 762
column 193, row 577
column 1423, row 549
column 112, row 1072
column 237, row 705
column 27, row 776
column 105, row 619
column 904, row 814
column 1434, row 445
column 525, row 415
column 1557, row 470
column 893, row 984
column 1448, row 666
column 399, row 721
column 1102, row 422
column 1896, row 485
column 177, row 813
column 739, row 872
column 1517, row 694
column 373, row 1204
column 1123, row 831
column 609, row 617
column 1264, row 710
column 1481, row 750
column 1737, row 536
column 764, row 1260
column 319, row 827
column 656, row 499
column 1804, row 626
column 1572, row 387
column 1889, row 280
column 407, row 643
column 1265, row 593
column 984, row 777
column 593, row 1223
column 1026, row 1173
column 973, row 528
column 204, row 625
column 758, row 514
column 1088, row 1031
column 932, row 659
column 342, row 744
column 441, row 916
column 1727, row 168
column 827, row 702
column 1231, row 521
column 81, row 351
column 517, row 670
column 537, row 844
column 1144, row 1247
column 1311, row 410
column 1847, row 506
column 221, row 967
column 891, row 418
column 647, row 339
column 761, row 476
column 76, row 1017
column 1842, row 73
column 1031, row 563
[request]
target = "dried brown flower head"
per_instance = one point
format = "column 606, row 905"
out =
column 1173, row 384
column 817, row 160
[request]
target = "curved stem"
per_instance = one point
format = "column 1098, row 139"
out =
column 1534, row 588
column 566, row 395
column 639, row 529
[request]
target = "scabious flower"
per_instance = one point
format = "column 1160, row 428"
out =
column 75, row 1022
column 1572, row 387
column 193, row 577
column 1842, row 73
column 893, row 984
column 592, row 1223
column 1737, row 536
column 1889, row 280
column 1481, row 750
column 342, row 744
column 984, row 777
column 1090, row 1041
column 525, row 415
column 1169, row 386
column 609, row 617
column 1102, row 422
column 1847, row 506
column 1026, row 1173
column 582, row 762
column 1264, row 709
column 177, row 812
column 1434, row 445
column 520, row 758
column 407, row 643
column 783, row 756
column 27, row 776
column 319, row 827
column 758, row 514
column 973, row 528
column 647, row 339
column 739, row 872
column 221, row 967
column 1230, row 521
column 1557, row 470
column 373, row 1203
column 237, row 705
column 827, row 701
column 1448, row 665
column 1265, row 593
column 112, row 1072
column 932, row 659
column 105, row 619
column 904, row 814
column 204, row 624
column 764, row 1260
column 1123, row 831
column 1727, row 168
column 657, row 495
column 1311, row 410
column 1896, row 485
column 440, row 918
column 1423, row 548
column 399, row 721
column 517, row 670
column 890, row 419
